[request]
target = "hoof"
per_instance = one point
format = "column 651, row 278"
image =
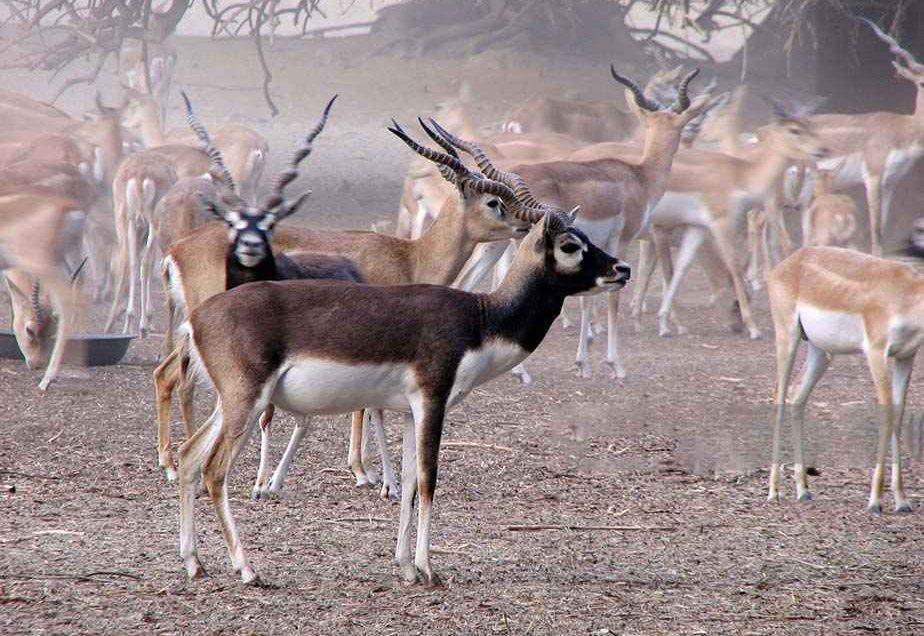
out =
column 264, row 494
column 194, row 569
column 412, row 575
column 583, row 369
column 170, row 474
column 774, row 498
column 665, row 333
column 251, row 578
column 389, row 492
column 875, row 508
column 806, row 496
column 616, row 371
column 372, row 478
column 523, row 376
column 362, row 480
column 903, row 507
column 43, row 385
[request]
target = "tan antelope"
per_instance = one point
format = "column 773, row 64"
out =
column 706, row 197
column 831, row 218
column 617, row 195
column 419, row 349
column 157, row 79
column 196, row 272
column 140, row 182
column 38, row 231
column 844, row 302
column 879, row 147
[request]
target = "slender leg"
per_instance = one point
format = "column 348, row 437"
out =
column 366, row 449
column 901, row 374
column 693, row 237
column 816, row 363
column 723, row 233
column 166, row 376
column 231, row 439
column 260, row 488
column 389, row 483
column 279, row 475
column 408, row 494
column 755, row 226
column 647, row 260
column 65, row 305
column 147, row 265
column 879, row 369
column 187, row 392
column 873, row 184
column 429, row 431
column 132, row 275
column 118, row 293
column 581, row 360
column 354, row 457
column 787, row 343
column 193, row 454
column 613, row 360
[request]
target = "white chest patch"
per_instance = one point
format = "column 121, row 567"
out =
column 495, row 357
column 834, row 332
column 681, row 208
column 315, row 386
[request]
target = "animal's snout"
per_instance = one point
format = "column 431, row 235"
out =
column 623, row 272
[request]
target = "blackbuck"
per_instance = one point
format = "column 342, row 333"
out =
column 617, row 195
column 880, row 148
column 196, row 271
column 39, row 230
column 707, row 194
column 843, row 302
column 419, row 349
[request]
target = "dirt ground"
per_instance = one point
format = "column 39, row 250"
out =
column 668, row 466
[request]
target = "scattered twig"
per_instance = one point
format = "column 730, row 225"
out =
column 537, row 528
column 494, row 447
column 55, row 436
column 356, row 520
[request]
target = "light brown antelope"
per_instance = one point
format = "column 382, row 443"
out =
column 38, row 231
column 879, row 147
column 157, row 79
column 844, row 302
column 617, row 195
column 831, row 218
column 707, row 197
column 179, row 212
column 418, row 349
column 140, row 182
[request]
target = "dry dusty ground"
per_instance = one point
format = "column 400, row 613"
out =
column 88, row 526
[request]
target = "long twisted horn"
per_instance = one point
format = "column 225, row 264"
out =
column 275, row 200
column 511, row 179
column 217, row 166
column 637, row 93
column 453, row 163
column 683, row 100
column 37, row 309
column 894, row 46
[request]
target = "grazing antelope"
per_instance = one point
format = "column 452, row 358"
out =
column 880, row 148
column 418, row 349
column 140, row 182
column 706, row 197
column 844, row 302
column 831, row 218
column 38, row 230
column 617, row 195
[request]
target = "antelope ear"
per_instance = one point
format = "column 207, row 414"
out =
column 16, row 291
column 267, row 222
column 572, row 215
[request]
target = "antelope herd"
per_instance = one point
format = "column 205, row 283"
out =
column 325, row 322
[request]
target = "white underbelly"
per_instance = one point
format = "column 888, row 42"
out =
column 680, row 208
column 832, row 331
column 313, row 386
column 900, row 161
column 850, row 174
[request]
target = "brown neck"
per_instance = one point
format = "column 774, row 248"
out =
column 657, row 157
column 152, row 132
column 439, row 254
column 763, row 168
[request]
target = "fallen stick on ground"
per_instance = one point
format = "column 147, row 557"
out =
column 494, row 447
column 356, row 520
column 537, row 528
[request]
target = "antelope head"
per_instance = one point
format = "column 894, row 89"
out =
column 250, row 227
column 34, row 323
column 491, row 210
column 792, row 134
column 655, row 116
column 554, row 250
